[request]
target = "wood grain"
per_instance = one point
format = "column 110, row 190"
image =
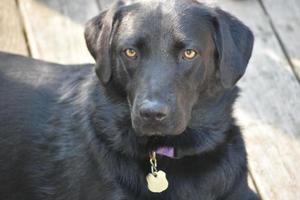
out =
column 11, row 32
column 55, row 28
column 285, row 15
column 268, row 109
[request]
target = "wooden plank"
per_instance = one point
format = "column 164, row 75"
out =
column 105, row 4
column 11, row 33
column 268, row 109
column 55, row 28
column 285, row 15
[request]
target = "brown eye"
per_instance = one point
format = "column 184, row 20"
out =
column 130, row 53
column 189, row 54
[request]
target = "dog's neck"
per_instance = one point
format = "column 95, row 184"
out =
column 210, row 123
column 211, row 112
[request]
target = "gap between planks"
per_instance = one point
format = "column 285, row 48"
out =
column 280, row 41
column 23, row 29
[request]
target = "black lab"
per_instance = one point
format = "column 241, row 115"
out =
column 163, row 86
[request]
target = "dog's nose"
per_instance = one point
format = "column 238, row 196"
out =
column 154, row 110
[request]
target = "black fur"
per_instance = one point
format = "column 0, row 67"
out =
column 66, row 135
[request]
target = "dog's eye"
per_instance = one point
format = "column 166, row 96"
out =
column 130, row 53
column 189, row 54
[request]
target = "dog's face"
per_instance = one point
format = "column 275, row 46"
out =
column 164, row 55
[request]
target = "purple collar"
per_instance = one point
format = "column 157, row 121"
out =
column 166, row 151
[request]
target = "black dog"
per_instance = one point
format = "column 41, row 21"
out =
column 164, row 82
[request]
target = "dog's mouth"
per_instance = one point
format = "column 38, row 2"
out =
column 166, row 129
column 173, row 146
column 161, row 146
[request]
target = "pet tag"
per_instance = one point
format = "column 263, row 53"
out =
column 156, row 180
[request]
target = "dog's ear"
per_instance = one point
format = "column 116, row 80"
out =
column 234, row 43
column 98, row 35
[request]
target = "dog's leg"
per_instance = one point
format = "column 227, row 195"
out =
column 248, row 195
column 241, row 191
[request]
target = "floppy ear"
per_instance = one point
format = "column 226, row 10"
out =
column 98, row 35
column 234, row 42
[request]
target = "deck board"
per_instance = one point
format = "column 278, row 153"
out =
column 285, row 15
column 11, row 31
column 55, row 28
column 104, row 4
column 268, row 109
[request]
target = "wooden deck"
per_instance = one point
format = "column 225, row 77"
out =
column 269, row 106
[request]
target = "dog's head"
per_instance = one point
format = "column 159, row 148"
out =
column 167, row 57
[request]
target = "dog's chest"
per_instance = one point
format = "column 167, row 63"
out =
column 181, row 186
